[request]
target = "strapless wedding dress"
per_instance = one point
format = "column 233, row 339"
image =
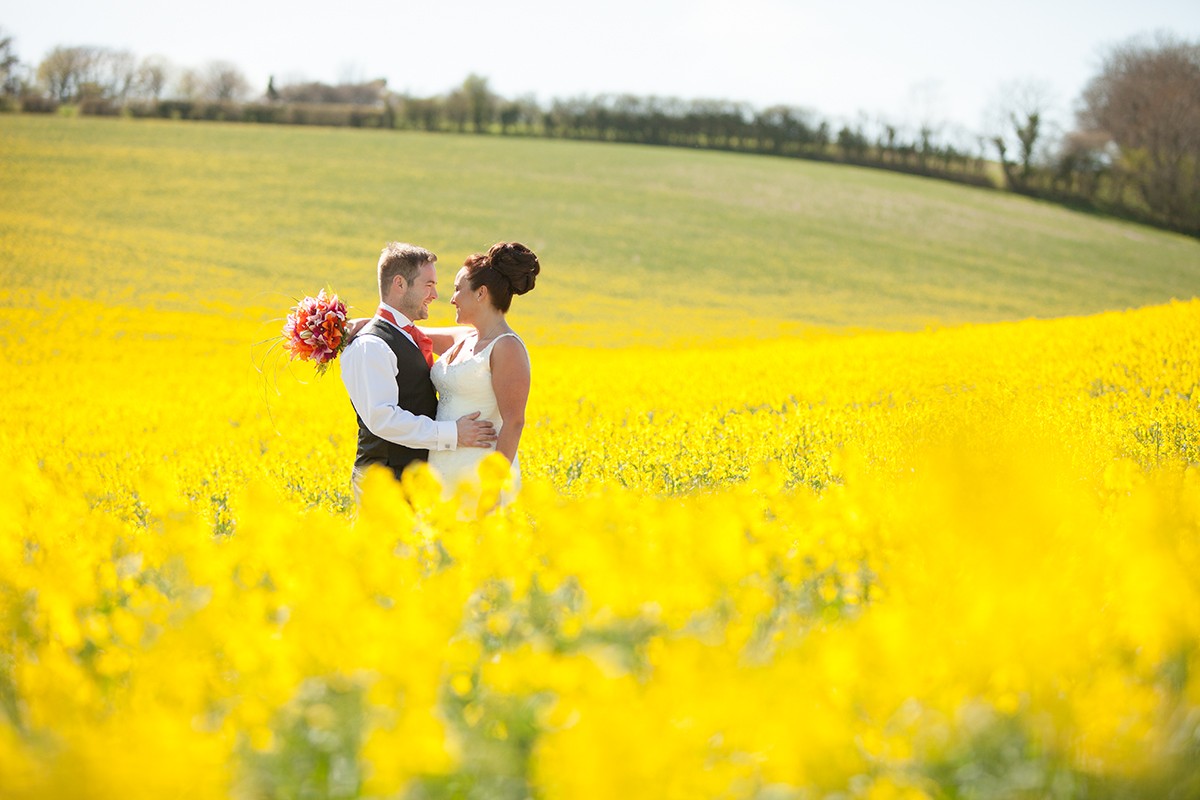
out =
column 463, row 388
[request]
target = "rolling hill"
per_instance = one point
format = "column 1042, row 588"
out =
column 669, row 244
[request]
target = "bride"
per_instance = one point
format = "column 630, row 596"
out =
column 485, row 367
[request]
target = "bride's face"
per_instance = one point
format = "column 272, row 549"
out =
column 466, row 301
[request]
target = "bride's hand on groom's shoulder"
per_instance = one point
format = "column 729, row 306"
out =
column 353, row 326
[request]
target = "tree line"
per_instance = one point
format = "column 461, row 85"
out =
column 1134, row 150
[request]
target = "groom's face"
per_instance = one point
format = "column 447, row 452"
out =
column 414, row 303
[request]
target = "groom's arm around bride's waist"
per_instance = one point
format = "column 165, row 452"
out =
column 369, row 374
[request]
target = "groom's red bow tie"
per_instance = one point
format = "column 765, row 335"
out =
column 418, row 336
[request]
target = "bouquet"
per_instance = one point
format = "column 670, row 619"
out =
column 316, row 330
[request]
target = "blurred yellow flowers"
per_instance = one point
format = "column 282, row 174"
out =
column 945, row 564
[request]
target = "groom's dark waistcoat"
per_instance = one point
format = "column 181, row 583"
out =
column 416, row 394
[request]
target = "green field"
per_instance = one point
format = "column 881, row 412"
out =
column 671, row 244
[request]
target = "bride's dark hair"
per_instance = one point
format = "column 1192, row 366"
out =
column 506, row 269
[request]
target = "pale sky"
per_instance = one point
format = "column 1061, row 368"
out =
column 908, row 61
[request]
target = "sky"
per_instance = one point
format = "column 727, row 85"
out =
column 909, row 62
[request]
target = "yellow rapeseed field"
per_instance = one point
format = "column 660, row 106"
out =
column 955, row 563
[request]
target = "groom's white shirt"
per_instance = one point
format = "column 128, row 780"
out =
column 369, row 373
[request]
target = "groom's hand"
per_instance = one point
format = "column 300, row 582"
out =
column 475, row 432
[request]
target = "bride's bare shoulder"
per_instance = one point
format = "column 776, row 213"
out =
column 509, row 349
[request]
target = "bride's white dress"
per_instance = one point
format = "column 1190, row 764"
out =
column 463, row 388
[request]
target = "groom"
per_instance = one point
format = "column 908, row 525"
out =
column 386, row 372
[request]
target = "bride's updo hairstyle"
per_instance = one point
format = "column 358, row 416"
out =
column 508, row 268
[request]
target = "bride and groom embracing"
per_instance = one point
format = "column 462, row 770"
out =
column 469, row 403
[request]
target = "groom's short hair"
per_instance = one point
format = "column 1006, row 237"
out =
column 399, row 258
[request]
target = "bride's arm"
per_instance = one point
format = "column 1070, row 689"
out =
column 445, row 338
column 510, row 382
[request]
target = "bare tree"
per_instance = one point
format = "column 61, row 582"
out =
column 1020, row 126
column 152, row 76
column 117, row 71
column 225, row 82
column 189, row 85
column 1147, row 100
column 70, row 72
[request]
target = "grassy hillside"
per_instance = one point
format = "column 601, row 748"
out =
column 680, row 244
